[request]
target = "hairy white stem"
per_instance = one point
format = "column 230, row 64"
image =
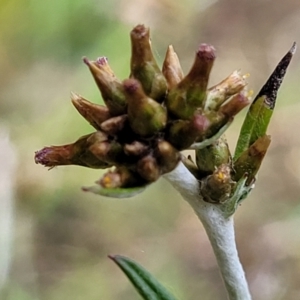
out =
column 220, row 231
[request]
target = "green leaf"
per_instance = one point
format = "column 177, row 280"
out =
column 261, row 109
column 115, row 192
column 144, row 282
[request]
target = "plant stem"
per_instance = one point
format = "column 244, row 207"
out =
column 220, row 231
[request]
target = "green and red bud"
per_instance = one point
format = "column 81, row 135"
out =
column 212, row 156
column 146, row 116
column 190, row 94
column 143, row 64
column 110, row 87
column 183, row 133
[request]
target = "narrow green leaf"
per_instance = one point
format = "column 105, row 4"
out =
column 144, row 282
column 115, row 192
column 261, row 109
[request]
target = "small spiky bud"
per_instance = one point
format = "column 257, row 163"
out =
column 143, row 64
column 190, row 94
column 77, row 153
column 146, row 116
column 171, row 68
column 95, row 114
column 110, row 87
column 219, row 93
column 234, row 105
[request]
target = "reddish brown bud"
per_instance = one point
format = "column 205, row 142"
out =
column 109, row 151
column 219, row 93
column 120, row 178
column 234, row 105
column 217, row 188
column 167, row 157
column 148, row 168
column 114, row 125
column 135, row 148
column 95, row 114
column 110, row 87
column 72, row 154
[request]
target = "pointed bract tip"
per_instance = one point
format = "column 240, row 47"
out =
column 74, row 96
column 294, row 48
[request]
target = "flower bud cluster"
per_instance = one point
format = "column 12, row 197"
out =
column 150, row 117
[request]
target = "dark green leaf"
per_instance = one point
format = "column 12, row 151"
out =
column 144, row 282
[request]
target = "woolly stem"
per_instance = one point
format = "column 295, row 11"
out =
column 220, row 231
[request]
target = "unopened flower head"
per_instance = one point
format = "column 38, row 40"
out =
column 151, row 116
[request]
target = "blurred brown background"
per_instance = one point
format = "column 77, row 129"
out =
column 54, row 239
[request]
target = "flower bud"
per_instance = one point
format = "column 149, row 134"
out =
column 146, row 116
column 109, row 151
column 143, row 65
column 190, row 94
column 119, row 178
column 234, row 105
column 167, row 156
column 136, row 148
column 219, row 93
column 250, row 160
column 77, row 153
column 148, row 168
column 183, row 133
column 212, row 156
column 114, row 125
column 171, row 68
column 110, row 87
column 217, row 188
column 95, row 114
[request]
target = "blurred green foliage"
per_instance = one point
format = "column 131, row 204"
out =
column 61, row 235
